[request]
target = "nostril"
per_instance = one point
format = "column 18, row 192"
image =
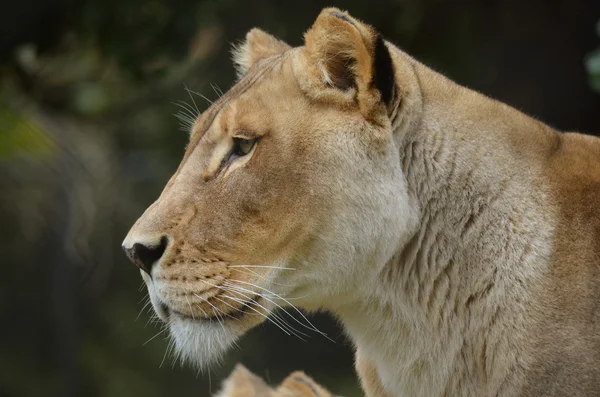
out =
column 145, row 256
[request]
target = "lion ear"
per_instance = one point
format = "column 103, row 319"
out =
column 299, row 384
column 350, row 54
column 258, row 45
column 242, row 382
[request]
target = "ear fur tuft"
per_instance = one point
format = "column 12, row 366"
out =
column 257, row 45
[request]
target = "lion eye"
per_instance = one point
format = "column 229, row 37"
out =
column 242, row 147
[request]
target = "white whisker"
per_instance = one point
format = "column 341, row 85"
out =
column 280, row 319
column 190, row 305
column 218, row 312
column 220, row 107
column 146, row 296
column 190, row 92
column 249, row 298
column 159, row 332
column 261, row 276
column 228, row 304
column 170, row 346
column 219, row 319
column 293, row 307
column 186, row 109
column 259, row 312
column 264, row 267
column 184, row 120
column 148, row 302
column 186, row 116
column 216, row 89
column 192, row 98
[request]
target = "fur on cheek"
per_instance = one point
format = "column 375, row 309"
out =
column 202, row 345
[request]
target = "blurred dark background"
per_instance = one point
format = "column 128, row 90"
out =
column 88, row 90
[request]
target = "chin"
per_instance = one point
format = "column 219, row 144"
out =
column 203, row 343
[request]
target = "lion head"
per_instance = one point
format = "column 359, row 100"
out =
column 290, row 187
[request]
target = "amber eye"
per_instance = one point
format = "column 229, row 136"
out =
column 242, row 147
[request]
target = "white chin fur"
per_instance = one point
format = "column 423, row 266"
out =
column 201, row 344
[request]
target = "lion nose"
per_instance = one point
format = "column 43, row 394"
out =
column 145, row 256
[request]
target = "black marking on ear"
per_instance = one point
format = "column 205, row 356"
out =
column 383, row 78
column 344, row 18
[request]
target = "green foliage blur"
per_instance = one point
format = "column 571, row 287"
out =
column 592, row 64
column 88, row 138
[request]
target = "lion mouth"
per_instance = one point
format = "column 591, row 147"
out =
column 245, row 308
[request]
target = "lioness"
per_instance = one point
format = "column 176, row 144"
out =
column 456, row 239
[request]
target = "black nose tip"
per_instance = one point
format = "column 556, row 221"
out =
column 144, row 256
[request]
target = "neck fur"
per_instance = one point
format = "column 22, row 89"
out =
column 466, row 273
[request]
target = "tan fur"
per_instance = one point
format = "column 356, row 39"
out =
column 457, row 239
column 243, row 383
column 369, row 379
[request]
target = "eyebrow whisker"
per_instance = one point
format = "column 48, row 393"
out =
column 192, row 98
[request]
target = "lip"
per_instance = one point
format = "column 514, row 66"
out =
column 249, row 305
